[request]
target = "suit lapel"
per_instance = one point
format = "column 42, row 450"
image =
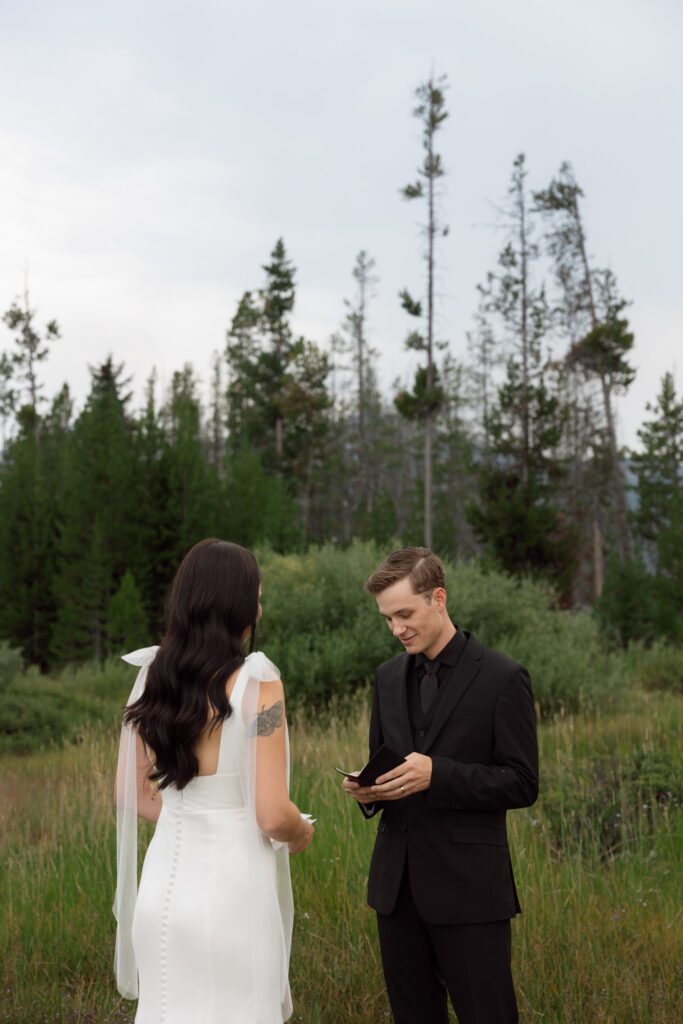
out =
column 456, row 685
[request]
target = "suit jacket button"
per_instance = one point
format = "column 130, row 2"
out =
column 421, row 732
column 404, row 827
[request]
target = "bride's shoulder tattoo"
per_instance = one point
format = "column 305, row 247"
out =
column 270, row 719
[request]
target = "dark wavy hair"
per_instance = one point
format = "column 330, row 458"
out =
column 212, row 601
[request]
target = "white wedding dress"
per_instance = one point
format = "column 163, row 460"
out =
column 212, row 921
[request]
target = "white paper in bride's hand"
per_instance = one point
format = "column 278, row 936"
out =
column 277, row 845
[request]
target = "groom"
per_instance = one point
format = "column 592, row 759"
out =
column 441, row 877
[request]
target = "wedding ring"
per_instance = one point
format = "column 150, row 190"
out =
column 403, row 789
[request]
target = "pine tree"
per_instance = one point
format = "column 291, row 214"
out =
column 424, row 400
column 362, row 355
column 157, row 523
column 217, row 420
column 28, row 486
column 517, row 515
column 356, row 326
column 354, row 404
column 277, row 303
column 195, row 494
column 277, row 392
column 27, row 533
column 659, row 464
column 670, row 575
column 643, row 598
column 590, row 313
column 259, row 507
column 126, row 619
column 521, row 306
column 585, row 492
column 260, row 352
column 242, row 352
column 454, row 467
column 98, row 537
column 483, row 360
column 627, row 607
column 659, row 471
column 8, row 395
column 380, row 525
column 30, row 348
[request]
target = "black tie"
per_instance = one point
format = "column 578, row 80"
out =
column 429, row 684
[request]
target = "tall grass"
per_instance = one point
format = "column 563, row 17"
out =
column 600, row 940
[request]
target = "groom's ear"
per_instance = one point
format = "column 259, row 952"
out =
column 439, row 597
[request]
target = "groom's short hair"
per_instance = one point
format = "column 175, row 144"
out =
column 420, row 565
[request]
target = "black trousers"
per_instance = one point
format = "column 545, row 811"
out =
column 423, row 962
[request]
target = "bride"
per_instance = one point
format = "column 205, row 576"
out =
column 204, row 753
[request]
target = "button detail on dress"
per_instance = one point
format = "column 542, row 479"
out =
column 163, row 931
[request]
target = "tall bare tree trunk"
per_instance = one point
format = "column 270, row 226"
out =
column 279, row 434
column 429, row 431
column 424, row 401
column 360, row 357
column 524, row 330
column 429, row 419
column 598, row 558
column 618, row 482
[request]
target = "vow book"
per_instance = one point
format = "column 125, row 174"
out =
column 383, row 760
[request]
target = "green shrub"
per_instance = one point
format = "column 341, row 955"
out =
column 325, row 634
column 608, row 803
column 29, row 722
column 567, row 658
column 36, row 710
column 659, row 667
column 627, row 608
column 108, row 684
column 319, row 626
column 11, row 664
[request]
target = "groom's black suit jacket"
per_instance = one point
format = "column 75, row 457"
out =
column 482, row 742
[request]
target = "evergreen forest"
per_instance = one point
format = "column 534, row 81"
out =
column 506, row 454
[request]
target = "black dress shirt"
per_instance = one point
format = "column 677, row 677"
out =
column 448, row 658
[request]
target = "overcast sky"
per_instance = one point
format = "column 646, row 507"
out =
column 152, row 153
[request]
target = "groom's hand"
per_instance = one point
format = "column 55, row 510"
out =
column 413, row 776
column 363, row 794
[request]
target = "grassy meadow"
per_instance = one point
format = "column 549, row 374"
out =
column 599, row 864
